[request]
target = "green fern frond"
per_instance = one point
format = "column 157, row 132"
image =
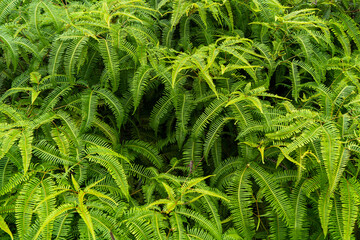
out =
column 73, row 54
column 139, row 84
column 183, row 110
column 162, row 108
column 56, row 56
column 115, row 169
column 53, row 216
column 145, row 149
column 113, row 103
column 351, row 27
column 6, row 8
column 349, row 200
column 11, row 47
column 111, row 61
column 214, row 133
column 298, row 201
column 47, row 152
column 240, row 203
column 25, row 204
column 54, row 97
column 202, row 221
column 25, row 147
column 5, row 227
column 209, row 114
column 277, row 198
column 89, row 105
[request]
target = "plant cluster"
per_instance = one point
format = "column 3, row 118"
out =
column 179, row 119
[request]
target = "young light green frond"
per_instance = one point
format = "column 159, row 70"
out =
column 330, row 146
column 8, row 141
column 15, row 181
column 47, row 187
column 82, row 209
column 53, row 216
column 5, row 227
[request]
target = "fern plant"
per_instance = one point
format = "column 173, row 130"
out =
column 179, row 119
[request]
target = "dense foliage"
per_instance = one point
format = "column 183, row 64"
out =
column 179, row 119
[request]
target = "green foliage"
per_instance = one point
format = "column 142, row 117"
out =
column 180, row 119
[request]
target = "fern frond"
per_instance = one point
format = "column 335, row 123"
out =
column 111, row 61
column 73, row 54
column 6, row 8
column 240, row 203
column 145, row 149
column 162, row 107
column 89, row 106
column 209, row 114
column 183, row 110
column 47, row 152
column 53, row 216
column 115, row 169
column 349, row 200
column 214, row 133
column 5, row 227
column 54, row 97
column 113, row 103
column 298, row 201
column 25, row 147
column 25, row 204
column 11, row 48
column 139, row 84
column 202, row 221
column 56, row 56
column 276, row 196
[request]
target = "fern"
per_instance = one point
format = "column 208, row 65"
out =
column 148, row 119
column 241, row 202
